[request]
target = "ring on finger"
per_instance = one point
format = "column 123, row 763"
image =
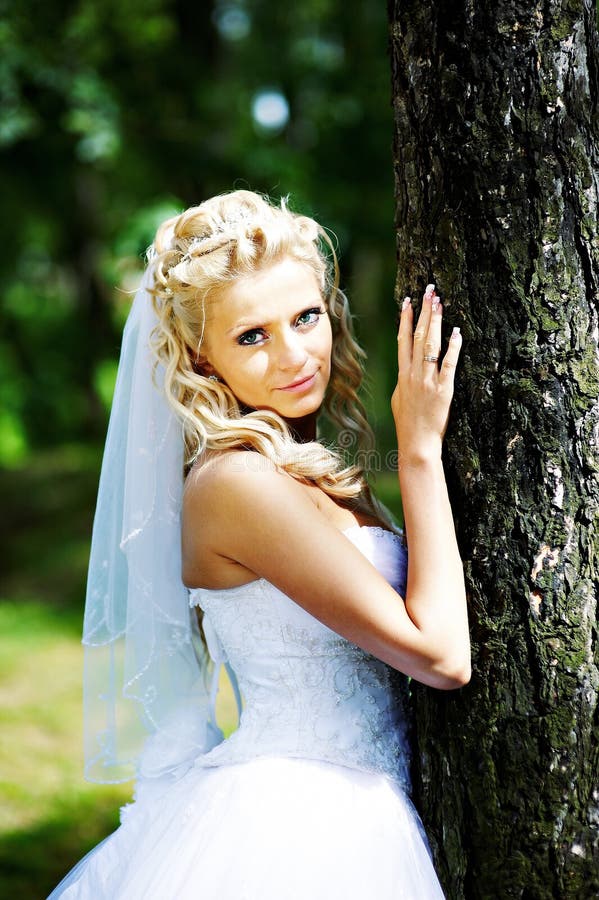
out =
column 428, row 358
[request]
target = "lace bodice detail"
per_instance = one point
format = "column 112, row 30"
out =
column 307, row 691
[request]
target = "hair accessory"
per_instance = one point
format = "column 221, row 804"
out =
column 220, row 235
column 200, row 246
column 213, row 378
column 147, row 709
column 431, row 358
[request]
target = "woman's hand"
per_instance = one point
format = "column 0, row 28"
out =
column 435, row 596
column 422, row 396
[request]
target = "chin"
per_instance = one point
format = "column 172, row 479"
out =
column 295, row 411
column 307, row 407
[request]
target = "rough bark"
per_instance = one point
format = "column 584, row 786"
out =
column 497, row 185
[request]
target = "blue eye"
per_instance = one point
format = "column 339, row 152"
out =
column 310, row 316
column 249, row 338
column 256, row 336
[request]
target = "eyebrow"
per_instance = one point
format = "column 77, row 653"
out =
column 248, row 326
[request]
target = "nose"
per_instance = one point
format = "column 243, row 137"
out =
column 292, row 354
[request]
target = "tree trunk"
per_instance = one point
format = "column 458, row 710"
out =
column 497, row 184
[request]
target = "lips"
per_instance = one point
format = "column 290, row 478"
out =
column 300, row 384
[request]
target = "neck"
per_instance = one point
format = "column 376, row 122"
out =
column 304, row 429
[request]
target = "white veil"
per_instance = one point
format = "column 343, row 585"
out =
column 147, row 708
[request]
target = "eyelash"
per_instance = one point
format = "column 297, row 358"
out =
column 315, row 310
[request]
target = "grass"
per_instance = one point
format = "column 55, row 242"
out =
column 50, row 816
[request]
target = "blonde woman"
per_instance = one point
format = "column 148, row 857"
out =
column 217, row 497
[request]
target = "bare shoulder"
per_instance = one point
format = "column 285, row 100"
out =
column 228, row 478
column 229, row 503
column 220, row 465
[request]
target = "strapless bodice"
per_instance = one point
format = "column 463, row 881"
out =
column 307, row 691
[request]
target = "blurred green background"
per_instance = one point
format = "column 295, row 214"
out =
column 113, row 116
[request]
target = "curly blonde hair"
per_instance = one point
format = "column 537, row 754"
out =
column 199, row 252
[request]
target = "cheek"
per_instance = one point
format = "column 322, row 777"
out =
column 247, row 370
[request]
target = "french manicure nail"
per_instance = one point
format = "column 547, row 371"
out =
column 455, row 334
column 436, row 303
column 430, row 288
column 406, row 303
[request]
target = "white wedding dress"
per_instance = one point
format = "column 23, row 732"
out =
column 307, row 800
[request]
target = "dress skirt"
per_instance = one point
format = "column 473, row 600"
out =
column 268, row 829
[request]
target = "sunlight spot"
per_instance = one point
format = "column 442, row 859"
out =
column 270, row 110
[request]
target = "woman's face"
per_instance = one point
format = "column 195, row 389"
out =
column 268, row 337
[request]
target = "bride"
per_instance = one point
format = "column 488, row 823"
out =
column 220, row 505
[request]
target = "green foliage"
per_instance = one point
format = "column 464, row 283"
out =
column 114, row 115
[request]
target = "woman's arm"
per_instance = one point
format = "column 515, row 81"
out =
column 238, row 508
column 435, row 596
